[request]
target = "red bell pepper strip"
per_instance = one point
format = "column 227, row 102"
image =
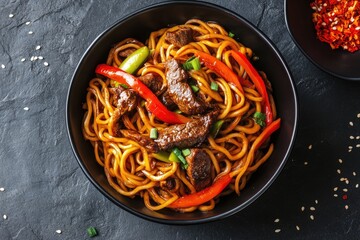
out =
column 266, row 133
column 257, row 80
column 152, row 102
column 204, row 195
column 220, row 68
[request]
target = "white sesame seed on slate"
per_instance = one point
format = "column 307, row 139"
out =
column 4, row 217
column 305, row 163
column 40, row 57
column 358, row 115
column 26, row 108
column 2, row 189
column 35, row 58
column 277, row 220
column 312, row 217
column 302, row 209
column 32, row 58
column 346, row 207
column 357, row 145
column 338, row 171
column 351, row 123
column 58, row 231
column 11, row 15
column 351, row 137
column 310, row 147
column 350, row 147
column 357, row 185
column 30, row 32
column 27, row 23
column 357, row 137
column 38, row 47
column 297, row 228
column 312, row 208
column 316, row 201
column 23, row 59
column 335, row 195
column 345, row 190
column 335, row 189
column 340, row 160
column 46, row 64
column 277, row 230
column 2, row 66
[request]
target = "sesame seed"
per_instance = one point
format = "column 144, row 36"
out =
column 46, row 64
column 35, row 58
column 32, row 58
column 312, row 208
column 297, row 227
column 351, row 123
column 346, row 207
column 38, row 47
column 23, row 59
column 358, row 115
column 312, row 217
column 310, row 147
column 340, row 160
column 277, row 230
column 351, row 137
column 347, row 181
column 40, row 57
column 335, row 189
column 342, row 179
column 316, row 201
column 26, row 108
column 27, row 23
column 30, row 32
column 335, row 195
column 345, row 190
column 302, row 208
column 357, row 185
column 338, row 171
column 2, row 66
column 350, row 147
column 4, row 217
column 357, row 137
column 357, row 145
column 277, row 220
column 305, row 163
column 2, row 189
column 58, row 231
column 11, row 15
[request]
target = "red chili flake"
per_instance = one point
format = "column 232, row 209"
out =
column 344, row 197
column 337, row 22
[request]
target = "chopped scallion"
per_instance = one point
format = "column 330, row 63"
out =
column 153, row 133
column 192, row 63
column 91, row 232
column 178, row 154
column 231, row 34
column 259, row 118
column 214, row 86
column 194, row 88
column 216, row 128
column 186, row 152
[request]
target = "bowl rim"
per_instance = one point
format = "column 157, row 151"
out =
column 308, row 55
column 227, row 213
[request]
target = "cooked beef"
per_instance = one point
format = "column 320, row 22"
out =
column 143, row 140
column 168, row 184
column 180, row 91
column 180, row 37
column 126, row 52
column 190, row 134
column 199, row 169
column 125, row 101
column 167, row 101
column 153, row 81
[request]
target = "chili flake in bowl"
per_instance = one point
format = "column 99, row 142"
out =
column 316, row 24
column 337, row 23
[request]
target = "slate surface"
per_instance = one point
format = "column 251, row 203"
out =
column 45, row 190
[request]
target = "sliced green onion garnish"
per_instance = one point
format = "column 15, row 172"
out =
column 214, row 86
column 231, row 34
column 153, row 133
column 192, row 63
column 216, row 128
column 91, row 231
column 186, row 152
column 178, row 154
column 162, row 156
column 173, row 157
column 259, row 118
column 194, row 88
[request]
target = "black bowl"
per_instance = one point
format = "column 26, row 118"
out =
column 340, row 63
column 156, row 17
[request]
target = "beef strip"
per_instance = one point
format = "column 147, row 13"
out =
column 180, row 37
column 143, row 140
column 180, row 91
column 199, row 169
column 167, row 101
column 190, row 134
column 153, row 82
column 125, row 101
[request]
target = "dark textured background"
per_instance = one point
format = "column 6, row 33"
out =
column 45, row 190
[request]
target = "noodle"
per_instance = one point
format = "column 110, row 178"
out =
column 134, row 171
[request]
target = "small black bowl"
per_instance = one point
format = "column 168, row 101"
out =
column 156, row 17
column 338, row 62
